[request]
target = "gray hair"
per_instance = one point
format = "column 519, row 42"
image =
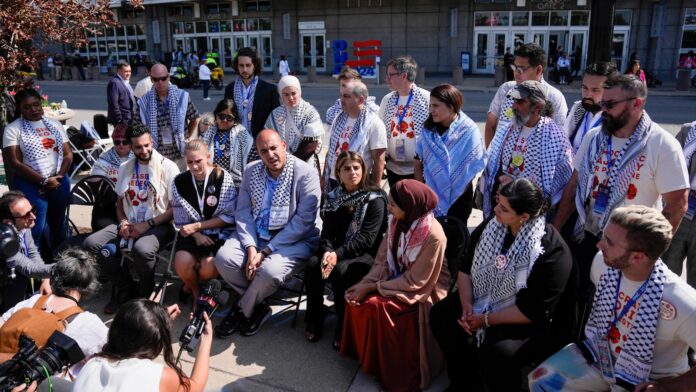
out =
column 405, row 64
column 628, row 83
column 75, row 269
column 358, row 89
column 122, row 64
column 207, row 118
column 648, row 231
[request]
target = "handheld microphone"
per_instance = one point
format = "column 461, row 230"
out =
column 108, row 250
column 210, row 300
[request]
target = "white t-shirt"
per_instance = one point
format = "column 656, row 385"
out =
column 400, row 162
column 676, row 326
column 558, row 102
column 86, row 329
column 106, row 169
column 169, row 171
column 584, row 127
column 143, row 86
column 204, row 72
column 519, row 149
column 11, row 137
column 128, row 375
column 661, row 169
column 377, row 137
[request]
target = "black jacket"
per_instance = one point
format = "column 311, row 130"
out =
column 265, row 100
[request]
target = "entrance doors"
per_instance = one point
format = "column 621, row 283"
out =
column 619, row 47
column 312, row 51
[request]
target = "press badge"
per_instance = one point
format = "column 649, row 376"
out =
column 166, row 133
column 692, row 205
column 400, row 150
column 602, row 199
column 605, row 360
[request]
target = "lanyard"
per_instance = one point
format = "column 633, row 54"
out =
column 403, row 114
column 586, row 126
column 137, row 177
column 631, row 301
column 200, row 197
column 610, row 162
column 218, row 150
column 250, row 90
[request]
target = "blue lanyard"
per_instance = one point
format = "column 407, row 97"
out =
column 609, row 161
column 587, row 122
column 403, row 114
column 137, row 177
column 631, row 302
column 218, row 151
column 250, row 92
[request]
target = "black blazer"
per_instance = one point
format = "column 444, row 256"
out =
column 265, row 100
column 121, row 108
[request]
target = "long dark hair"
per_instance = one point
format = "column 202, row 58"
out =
column 255, row 60
column 226, row 104
column 450, row 96
column 23, row 95
column 525, row 196
column 352, row 156
column 141, row 329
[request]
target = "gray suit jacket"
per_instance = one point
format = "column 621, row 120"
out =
column 30, row 265
column 681, row 138
column 304, row 223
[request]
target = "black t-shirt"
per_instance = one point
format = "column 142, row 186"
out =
column 368, row 238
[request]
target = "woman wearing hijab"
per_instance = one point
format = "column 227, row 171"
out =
column 356, row 212
column 297, row 121
column 386, row 325
column 515, row 296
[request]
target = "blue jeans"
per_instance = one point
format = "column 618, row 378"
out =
column 51, row 209
column 206, row 87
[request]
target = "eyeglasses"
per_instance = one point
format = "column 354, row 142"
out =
column 518, row 69
column 27, row 215
column 121, row 142
column 225, row 117
column 610, row 104
column 519, row 101
column 391, row 75
column 160, row 79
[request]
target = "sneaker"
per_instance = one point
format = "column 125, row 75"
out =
column 206, row 99
column 251, row 326
column 230, row 324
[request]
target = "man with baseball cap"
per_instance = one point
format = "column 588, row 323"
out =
column 532, row 146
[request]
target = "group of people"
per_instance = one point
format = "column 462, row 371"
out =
column 255, row 206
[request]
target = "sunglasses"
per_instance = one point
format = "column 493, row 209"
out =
column 518, row 69
column 27, row 215
column 121, row 142
column 160, row 79
column 225, row 117
column 610, row 104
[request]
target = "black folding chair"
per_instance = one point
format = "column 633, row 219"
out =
column 99, row 193
column 457, row 241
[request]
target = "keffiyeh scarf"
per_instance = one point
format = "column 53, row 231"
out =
column 419, row 106
column 239, row 98
column 496, row 288
column 451, row 161
column 155, row 185
column 359, row 199
column 240, row 143
column 280, row 203
column 39, row 158
column 336, row 109
column 176, row 103
column 620, row 177
column 295, row 124
column 547, row 161
column 185, row 212
column 690, row 144
column 410, row 244
column 357, row 141
column 635, row 360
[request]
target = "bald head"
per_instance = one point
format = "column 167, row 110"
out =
column 271, row 148
column 160, row 78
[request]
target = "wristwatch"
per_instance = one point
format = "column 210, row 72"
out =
column 44, row 181
column 266, row 252
column 120, row 224
column 151, row 222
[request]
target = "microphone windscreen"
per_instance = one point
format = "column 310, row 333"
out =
column 108, row 250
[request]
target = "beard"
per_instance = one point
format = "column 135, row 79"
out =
column 613, row 124
column 620, row 262
column 146, row 158
column 519, row 120
column 590, row 105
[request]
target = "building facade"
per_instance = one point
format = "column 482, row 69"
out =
column 324, row 33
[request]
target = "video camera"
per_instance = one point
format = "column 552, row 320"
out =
column 33, row 364
column 211, row 299
column 9, row 246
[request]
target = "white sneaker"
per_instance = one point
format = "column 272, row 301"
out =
column 206, row 99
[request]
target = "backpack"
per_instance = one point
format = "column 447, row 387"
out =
column 35, row 323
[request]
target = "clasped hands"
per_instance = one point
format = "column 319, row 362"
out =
column 471, row 322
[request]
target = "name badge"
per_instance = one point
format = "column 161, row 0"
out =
column 602, row 199
column 605, row 360
column 400, row 150
column 166, row 134
column 691, row 211
column 141, row 212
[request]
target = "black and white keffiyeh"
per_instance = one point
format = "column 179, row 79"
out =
column 185, row 212
column 176, row 103
column 39, row 158
column 634, row 362
column 240, row 142
column 357, row 141
column 280, row 203
column 419, row 106
column 496, row 288
column 295, row 124
column 359, row 199
column 622, row 171
column 547, row 161
column 239, row 98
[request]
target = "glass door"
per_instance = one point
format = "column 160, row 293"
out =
column 619, row 47
column 239, row 42
column 498, row 49
column 266, row 53
column 227, row 50
column 313, row 51
column 519, row 38
column 482, row 62
column 577, row 49
column 557, row 43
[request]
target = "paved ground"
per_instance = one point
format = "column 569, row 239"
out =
column 278, row 358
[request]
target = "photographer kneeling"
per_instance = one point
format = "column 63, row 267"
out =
column 16, row 210
column 140, row 332
column 74, row 277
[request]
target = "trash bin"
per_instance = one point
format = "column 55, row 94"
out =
column 457, row 76
column 311, row 74
column 499, row 75
column 683, row 79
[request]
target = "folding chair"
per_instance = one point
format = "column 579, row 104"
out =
column 94, row 191
column 457, row 241
column 290, row 303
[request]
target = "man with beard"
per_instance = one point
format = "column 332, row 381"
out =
column 255, row 98
column 529, row 63
column 643, row 316
column 586, row 113
column 629, row 160
column 143, row 213
column 532, row 146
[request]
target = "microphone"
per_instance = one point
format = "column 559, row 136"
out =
column 210, row 300
column 108, row 250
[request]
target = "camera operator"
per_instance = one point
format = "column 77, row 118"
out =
column 127, row 362
column 73, row 278
column 16, row 210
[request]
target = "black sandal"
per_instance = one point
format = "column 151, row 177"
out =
column 336, row 343
column 314, row 331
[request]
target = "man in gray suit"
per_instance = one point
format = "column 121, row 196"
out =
column 278, row 229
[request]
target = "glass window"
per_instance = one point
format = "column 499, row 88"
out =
column 140, row 29
column 622, row 18
column 178, row 27
column 239, row 25
column 225, row 26
column 188, row 27
column 224, row 8
column 130, row 30
column 201, row 27
column 501, row 19
column 579, row 18
column 520, row 18
column 559, row 18
column 690, row 17
column 689, row 39
column 141, row 45
column 110, row 32
column 540, row 18
column 257, row 5
column 265, row 24
column 252, row 24
column 482, row 18
column 213, row 27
